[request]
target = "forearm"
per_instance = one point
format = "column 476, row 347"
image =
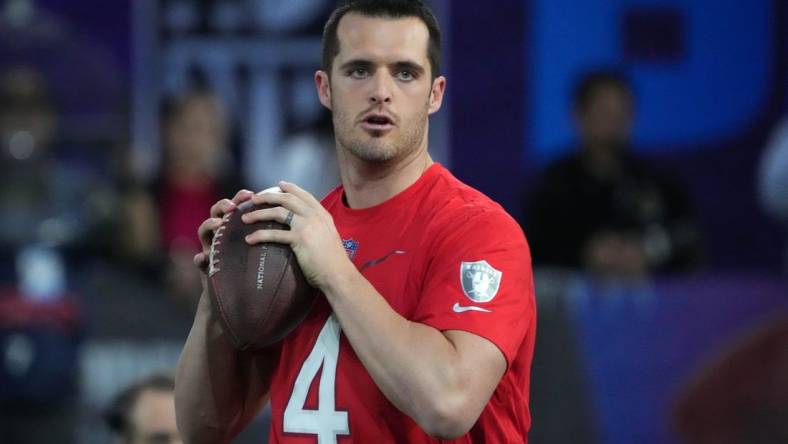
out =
column 218, row 389
column 415, row 366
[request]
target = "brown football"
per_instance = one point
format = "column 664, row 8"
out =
column 258, row 290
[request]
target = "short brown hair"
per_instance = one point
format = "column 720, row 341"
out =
column 383, row 8
column 590, row 82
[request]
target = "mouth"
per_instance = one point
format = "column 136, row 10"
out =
column 377, row 122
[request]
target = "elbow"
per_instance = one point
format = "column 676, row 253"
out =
column 197, row 428
column 194, row 436
column 448, row 417
column 193, row 432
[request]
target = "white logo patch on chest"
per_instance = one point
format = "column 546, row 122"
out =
column 480, row 281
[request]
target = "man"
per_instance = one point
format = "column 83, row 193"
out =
column 400, row 349
column 144, row 413
column 193, row 175
column 602, row 208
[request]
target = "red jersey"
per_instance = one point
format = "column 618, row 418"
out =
column 442, row 254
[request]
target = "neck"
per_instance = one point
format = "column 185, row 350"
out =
column 603, row 161
column 189, row 176
column 368, row 184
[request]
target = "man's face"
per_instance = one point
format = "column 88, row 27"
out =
column 381, row 89
column 153, row 419
column 607, row 119
column 27, row 118
column 196, row 135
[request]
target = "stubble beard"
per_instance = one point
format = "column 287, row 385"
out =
column 376, row 150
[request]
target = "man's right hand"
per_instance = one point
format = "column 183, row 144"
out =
column 218, row 389
column 209, row 226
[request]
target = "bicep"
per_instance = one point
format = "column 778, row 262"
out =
column 480, row 363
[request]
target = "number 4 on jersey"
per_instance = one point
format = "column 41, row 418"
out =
column 325, row 422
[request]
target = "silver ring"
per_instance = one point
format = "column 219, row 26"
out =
column 289, row 218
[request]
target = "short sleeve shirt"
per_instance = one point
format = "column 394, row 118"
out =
column 442, row 254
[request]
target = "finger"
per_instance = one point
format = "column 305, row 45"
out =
column 222, row 207
column 278, row 214
column 277, row 236
column 206, row 230
column 289, row 201
column 306, row 196
column 242, row 196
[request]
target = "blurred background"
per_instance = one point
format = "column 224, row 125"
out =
column 642, row 144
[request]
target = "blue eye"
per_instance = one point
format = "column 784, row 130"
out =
column 406, row 76
column 358, row 73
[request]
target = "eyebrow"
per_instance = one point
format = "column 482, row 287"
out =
column 406, row 65
column 409, row 66
column 356, row 63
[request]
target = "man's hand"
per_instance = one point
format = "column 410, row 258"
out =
column 312, row 236
column 208, row 228
column 616, row 255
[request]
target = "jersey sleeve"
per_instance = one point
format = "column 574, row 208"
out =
column 479, row 280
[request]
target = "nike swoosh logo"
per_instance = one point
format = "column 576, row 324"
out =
column 377, row 261
column 460, row 308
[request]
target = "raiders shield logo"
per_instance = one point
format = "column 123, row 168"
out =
column 480, row 281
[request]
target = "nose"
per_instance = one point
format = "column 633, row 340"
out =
column 381, row 90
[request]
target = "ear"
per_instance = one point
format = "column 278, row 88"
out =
column 323, row 85
column 436, row 94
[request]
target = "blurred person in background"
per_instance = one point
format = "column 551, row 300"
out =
column 162, row 219
column 604, row 209
column 28, row 124
column 144, row 412
column 307, row 156
column 51, row 221
column 44, row 196
column 773, row 177
column 304, row 153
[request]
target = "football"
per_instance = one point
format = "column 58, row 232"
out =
column 258, row 291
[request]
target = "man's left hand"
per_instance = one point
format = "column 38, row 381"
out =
column 312, row 235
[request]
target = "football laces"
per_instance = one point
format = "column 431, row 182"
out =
column 213, row 254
